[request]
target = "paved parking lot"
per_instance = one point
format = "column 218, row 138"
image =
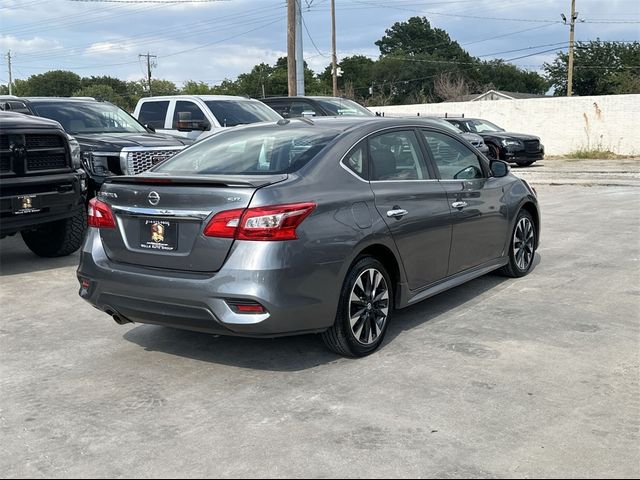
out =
column 497, row 378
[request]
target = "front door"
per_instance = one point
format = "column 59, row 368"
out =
column 413, row 204
column 478, row 207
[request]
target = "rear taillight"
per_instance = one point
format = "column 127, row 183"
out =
column 277, row 222
column 100, row 215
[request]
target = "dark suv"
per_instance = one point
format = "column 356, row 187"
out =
column 112, row 142
column 42, row 189
column 518, row 148
column 292, row 107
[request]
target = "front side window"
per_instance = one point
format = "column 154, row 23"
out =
column 396, row 156
column 454, row 160
column 153, row 113
column 268, row 149
column 90, row 117
column 188, row 115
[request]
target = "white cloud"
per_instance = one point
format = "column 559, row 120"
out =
column 9, row 42
column 101, row 48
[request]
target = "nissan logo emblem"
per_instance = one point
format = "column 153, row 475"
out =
column 154, row 198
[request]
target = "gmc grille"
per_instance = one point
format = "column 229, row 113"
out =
column 140, row 161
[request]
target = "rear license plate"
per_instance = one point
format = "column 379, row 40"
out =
column 25, row 204
column 158, row 235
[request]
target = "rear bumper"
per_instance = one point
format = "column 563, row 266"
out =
column 52, row 198
column 296, row 300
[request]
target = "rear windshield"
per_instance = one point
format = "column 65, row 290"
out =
column 233, row 112
column 264, row 150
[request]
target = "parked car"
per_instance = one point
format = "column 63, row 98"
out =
column 293, row 107
column 112, row 142
column 302, row 226
column 199, row 116
column 473, row 138
column 42, row 188
column 511, row 147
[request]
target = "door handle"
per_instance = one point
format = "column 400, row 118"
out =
column 459, row 204
column 397, row 213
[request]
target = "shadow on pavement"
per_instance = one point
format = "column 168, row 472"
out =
column 16, row 258
column 296, row 353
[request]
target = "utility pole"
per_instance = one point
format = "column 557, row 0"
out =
column 148, row 57
column 572, row 24
column 291, row 47
column 334, row 59
column 299, row 52
column 10, row 73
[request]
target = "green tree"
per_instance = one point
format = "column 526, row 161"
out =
column 600, row 68
column 496, row 74
column 56, row 83
column 102, row 92
column 357, row 75
column 191, row 87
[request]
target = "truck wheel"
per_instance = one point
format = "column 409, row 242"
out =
column 57, row 239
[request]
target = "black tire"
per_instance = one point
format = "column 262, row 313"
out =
column 341, row 338
column 516, row 268
column 494, row 151
column 525, row 163
column 57, row 239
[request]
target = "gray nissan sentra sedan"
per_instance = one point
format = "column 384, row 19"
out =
column 303, row 226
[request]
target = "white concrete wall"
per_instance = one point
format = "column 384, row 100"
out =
column 607, row 122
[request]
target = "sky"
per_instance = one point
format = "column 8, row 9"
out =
column 213, row 40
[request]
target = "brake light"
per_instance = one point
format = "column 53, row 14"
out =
column 276, row 222
column 100, row 215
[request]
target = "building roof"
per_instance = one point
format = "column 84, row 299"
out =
column 502, row 93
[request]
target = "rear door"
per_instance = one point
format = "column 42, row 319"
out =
column 479, row 210
column 412, row 203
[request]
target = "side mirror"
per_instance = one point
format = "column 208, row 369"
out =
column 308, row 113
column 149, row 128
column 499, row 168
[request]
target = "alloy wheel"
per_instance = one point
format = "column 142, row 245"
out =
column 523, row 244
column 368, row 306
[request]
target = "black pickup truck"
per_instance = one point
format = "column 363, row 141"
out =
column 42, row 188
column 111, row 141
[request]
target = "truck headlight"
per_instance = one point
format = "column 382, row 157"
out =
column 74, row 148
column 95, row 163
column 511, row 143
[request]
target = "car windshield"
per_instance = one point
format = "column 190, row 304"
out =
column 446, row 125
column 263, row 150
column 233, row 112
column 89, row 117
column 480, row 126
column 344, row 107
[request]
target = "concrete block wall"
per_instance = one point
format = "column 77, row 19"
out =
column 607, row 122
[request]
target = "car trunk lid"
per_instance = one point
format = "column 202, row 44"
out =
column 160, row 219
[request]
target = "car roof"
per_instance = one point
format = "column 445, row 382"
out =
column 312, row 97
column 344, row 123
column 201, row 97
column 62, row 99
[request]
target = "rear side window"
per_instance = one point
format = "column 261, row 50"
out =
column 153, row 114
column 281, row 108
column 356, row 161
column 396, row 156
column 299, row 108
column 252, row 151
column 230, row 113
